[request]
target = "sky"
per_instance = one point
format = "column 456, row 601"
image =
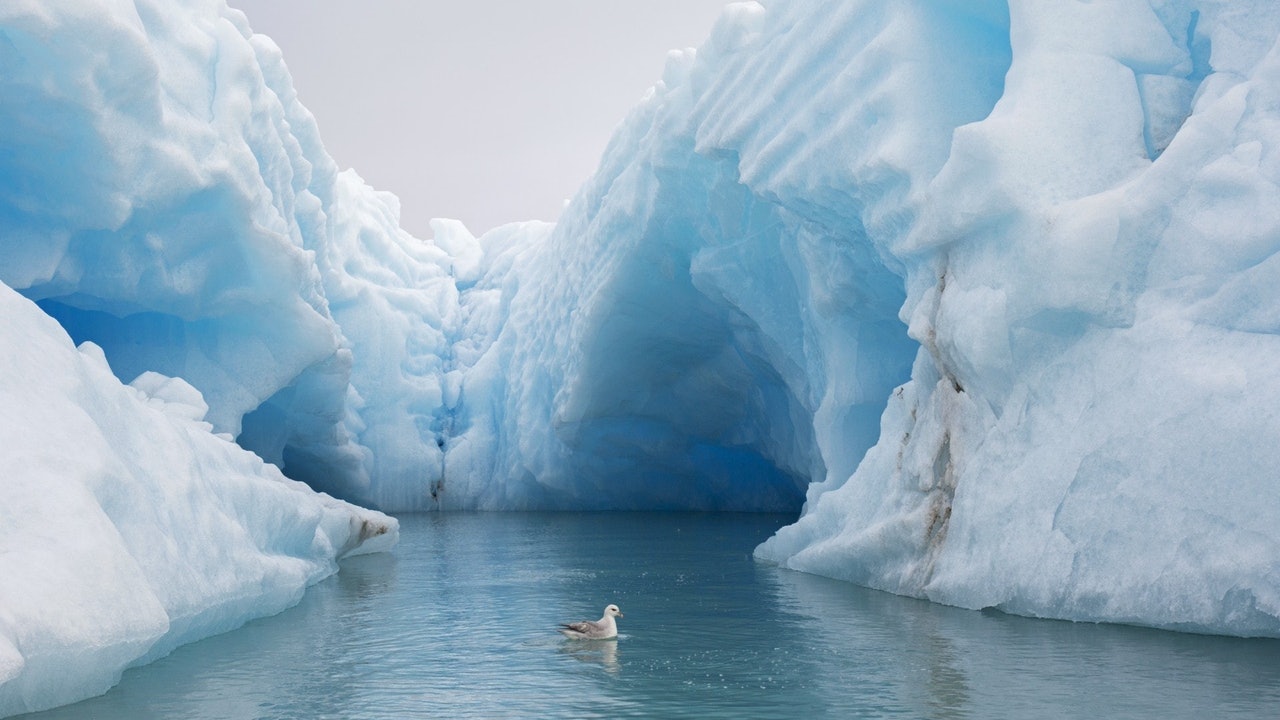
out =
column 487, row 111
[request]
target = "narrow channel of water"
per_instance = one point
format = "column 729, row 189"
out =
column 459, row 622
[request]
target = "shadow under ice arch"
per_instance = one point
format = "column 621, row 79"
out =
column 716, row 322
column 704, row 364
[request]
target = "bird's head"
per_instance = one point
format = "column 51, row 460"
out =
column 613, row 611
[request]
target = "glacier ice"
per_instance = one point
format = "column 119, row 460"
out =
column 986, row 282
column 1078, row 436
column 146, row 174
column 129, row 528
column 983, row 286
column 708, row 317
column 164, row 195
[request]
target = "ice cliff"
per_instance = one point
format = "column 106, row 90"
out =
column 998, row 278
column 986, row 287
column 154, row 200
column 164, row 195
column 127, row 527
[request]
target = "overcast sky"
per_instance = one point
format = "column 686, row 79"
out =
column 489, row 111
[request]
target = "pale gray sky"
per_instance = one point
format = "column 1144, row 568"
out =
column 489, row 111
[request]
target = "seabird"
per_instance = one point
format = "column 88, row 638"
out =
column 603, row 629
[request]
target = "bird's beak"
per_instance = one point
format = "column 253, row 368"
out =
column 619, row 614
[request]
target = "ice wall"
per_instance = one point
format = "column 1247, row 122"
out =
column 1085, row 431
column 996, row 276
column 164, row 195
column 983, row 285
column 709, row 325
column 127, row 527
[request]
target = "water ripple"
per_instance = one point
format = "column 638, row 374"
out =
column 460, row 623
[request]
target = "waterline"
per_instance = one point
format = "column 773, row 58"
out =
column 460, row 622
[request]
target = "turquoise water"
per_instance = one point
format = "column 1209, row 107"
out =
column 459, row 622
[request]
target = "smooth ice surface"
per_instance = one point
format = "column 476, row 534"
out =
column 128, row 527
column 460, row 623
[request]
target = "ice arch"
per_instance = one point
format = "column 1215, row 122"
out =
column 681, row 362
column 714, row 323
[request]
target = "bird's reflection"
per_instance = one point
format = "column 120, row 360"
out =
column 599, row 652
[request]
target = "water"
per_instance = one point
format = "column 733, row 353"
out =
column 458, row 623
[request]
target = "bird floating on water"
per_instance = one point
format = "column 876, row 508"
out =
column 603, row 629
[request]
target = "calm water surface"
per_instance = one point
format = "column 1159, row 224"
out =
column 458, row 623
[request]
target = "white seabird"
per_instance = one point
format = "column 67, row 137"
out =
column 603, row 629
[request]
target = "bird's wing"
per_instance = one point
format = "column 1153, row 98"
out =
column 585, row 626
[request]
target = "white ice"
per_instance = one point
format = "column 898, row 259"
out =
column 985, row 287
column 128, row 528
column 990, row 284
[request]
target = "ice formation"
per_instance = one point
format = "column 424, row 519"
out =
column 985, row 286
column 128, row 527
column 146, row 174
column 164, row 195
column 995, row 277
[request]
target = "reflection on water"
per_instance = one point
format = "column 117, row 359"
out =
column 460, row 622
column 600, row 652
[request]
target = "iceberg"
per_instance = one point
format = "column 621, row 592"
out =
column 981, row 289
column 165, row 196
column 129, row 527
column 156, row 208
column 985, row 286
